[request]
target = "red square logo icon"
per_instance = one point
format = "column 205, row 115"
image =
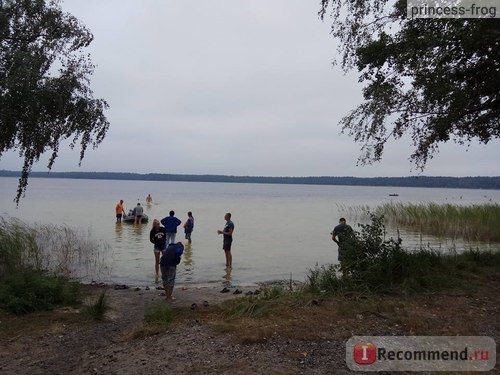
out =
column 365, row 353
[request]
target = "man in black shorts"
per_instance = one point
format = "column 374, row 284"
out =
column 227, row 232
column 138, row 211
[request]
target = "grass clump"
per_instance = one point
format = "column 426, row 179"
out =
column 271, row 299
column 97, row 309
column 249, row 307
column 157, row 318
column 159, row 314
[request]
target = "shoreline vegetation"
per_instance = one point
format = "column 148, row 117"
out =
column 476, row 222
column 478, row 182
column 380, row 289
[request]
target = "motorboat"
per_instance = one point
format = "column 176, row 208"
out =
column 130, row 217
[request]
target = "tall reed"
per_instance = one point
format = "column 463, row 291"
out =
column 478, row 222
column 39, row 265
column 71, row 252
column 354, row 213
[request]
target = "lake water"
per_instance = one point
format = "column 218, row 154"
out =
column 281, row 231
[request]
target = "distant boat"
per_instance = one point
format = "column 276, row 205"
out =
column 393, row 195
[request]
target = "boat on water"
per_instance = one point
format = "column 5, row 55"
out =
column 130, row 218
column 394, row 195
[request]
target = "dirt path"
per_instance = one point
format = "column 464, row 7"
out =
column 191, row 347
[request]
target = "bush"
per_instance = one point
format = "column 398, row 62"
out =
column 30, row 290
column 375, row 265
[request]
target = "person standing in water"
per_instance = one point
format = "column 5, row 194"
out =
column 149, row 199
column 120, row 211
column 171, row 223
column 227, row 241
column 189, row 226
column 158, row 237
column 138, row 211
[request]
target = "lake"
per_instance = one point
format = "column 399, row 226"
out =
column 281, row 231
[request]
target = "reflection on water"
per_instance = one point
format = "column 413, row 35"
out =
column 137, row 228
column 227, row 278
column 187, row 261
column 118, row 232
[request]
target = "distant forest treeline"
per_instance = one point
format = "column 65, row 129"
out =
column 415, row 181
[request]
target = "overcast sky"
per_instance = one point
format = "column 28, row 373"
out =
column 230, row 87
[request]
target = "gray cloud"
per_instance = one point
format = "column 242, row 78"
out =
column 230, row 87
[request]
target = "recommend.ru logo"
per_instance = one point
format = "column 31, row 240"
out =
column 421, row 353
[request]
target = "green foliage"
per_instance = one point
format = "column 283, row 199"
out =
column 159, row 314
column 376, row 265
column 434, row 79
column 30, row 290
column 325, row 279
column 272, row 292
column 474, row 261
column 369, row 245
column 35, row 265
column 97, row 310
column 45, row 96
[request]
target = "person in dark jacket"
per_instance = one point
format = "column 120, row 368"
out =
column 342, row 235
column 158, row 237
column 171, row 223
column 170, row 258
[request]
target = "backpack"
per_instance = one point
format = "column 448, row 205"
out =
column 172, row 254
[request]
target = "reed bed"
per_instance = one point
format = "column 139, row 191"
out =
column 477, row 222
column 354, row 213
column 72, row 252
column 18, row 247
column 41, row 264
